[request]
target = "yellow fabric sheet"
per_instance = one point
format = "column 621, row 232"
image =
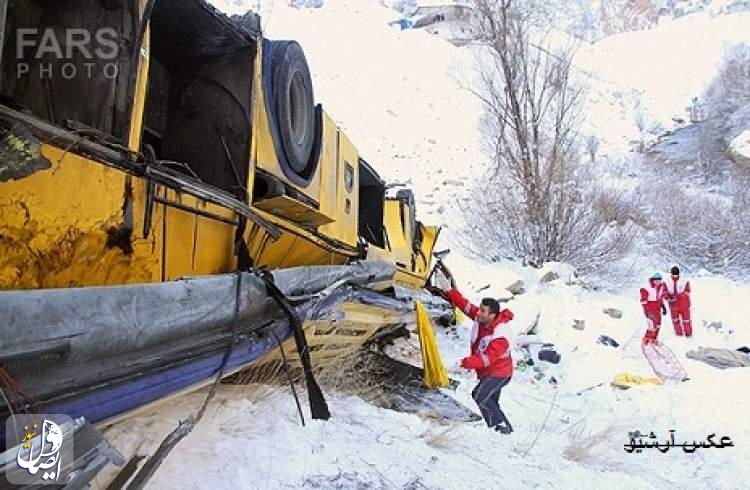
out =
column 435, row 375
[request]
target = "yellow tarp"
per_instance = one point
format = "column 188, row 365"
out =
column 435, row 375
column 459, row 316
column 627, row 380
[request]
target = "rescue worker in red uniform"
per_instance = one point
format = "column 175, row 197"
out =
column 652, row 300
column 678, row 297
column 490, row 356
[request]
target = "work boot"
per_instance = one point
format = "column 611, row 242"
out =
column 504, row 428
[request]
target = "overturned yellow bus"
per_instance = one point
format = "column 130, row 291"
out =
column 173, row 204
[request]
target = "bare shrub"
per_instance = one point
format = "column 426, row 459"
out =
column 591, row 21
column 710, row 156
column 617, row 16
column 593, row 228
column 705, row 231
column 584, row 443
column 440, row 437
column 727, row 97
column 619, row 206
column 640, row 123
column 537, row 202
column 592, row 146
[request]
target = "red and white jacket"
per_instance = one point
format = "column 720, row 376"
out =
column 652, row 297
column 490, row 345
column 678, row 292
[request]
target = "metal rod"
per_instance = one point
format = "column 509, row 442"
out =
column 3, row 11
column 205, row 214
column 288, row 371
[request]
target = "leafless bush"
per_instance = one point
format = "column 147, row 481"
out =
column 583, row 443
column 591, row 21
column 618, row 16
column 710, row 152
column 592, row 146
column 440, row 437
column 592, row 228
column 727, row 97
column 640, row 123
column 536, row 203
column 705, row 231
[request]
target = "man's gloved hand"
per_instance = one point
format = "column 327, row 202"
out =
column 447, row 275
column 663, row 309
column 442, row 282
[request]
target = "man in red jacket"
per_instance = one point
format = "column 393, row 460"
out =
column 652, row 300
column 490, row 356
column 678, row 297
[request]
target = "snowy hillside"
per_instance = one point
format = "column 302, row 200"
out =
column 393, row 92
column 656, row 72
column 396, row 95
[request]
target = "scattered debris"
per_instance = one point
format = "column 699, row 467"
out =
column 613, row 312
column 589, row 388
column 606, row 340
column 579, row 324
column 525, row 361
column 531, row 329
column 549, row 354
column 625, row 381
column 521, row 365
column 20, row 152
column 720, row 358
column 399, row 386
column 713, row 325
column 457, row 183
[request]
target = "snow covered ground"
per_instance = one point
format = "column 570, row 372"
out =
column 396, row 95
column 251, row 436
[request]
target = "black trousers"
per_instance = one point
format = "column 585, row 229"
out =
column 487, row 395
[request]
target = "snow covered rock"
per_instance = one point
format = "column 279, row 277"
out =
column 549, row 277
column 551, row 271
column 739, row 149
column 518, row 287
column 613, row 312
